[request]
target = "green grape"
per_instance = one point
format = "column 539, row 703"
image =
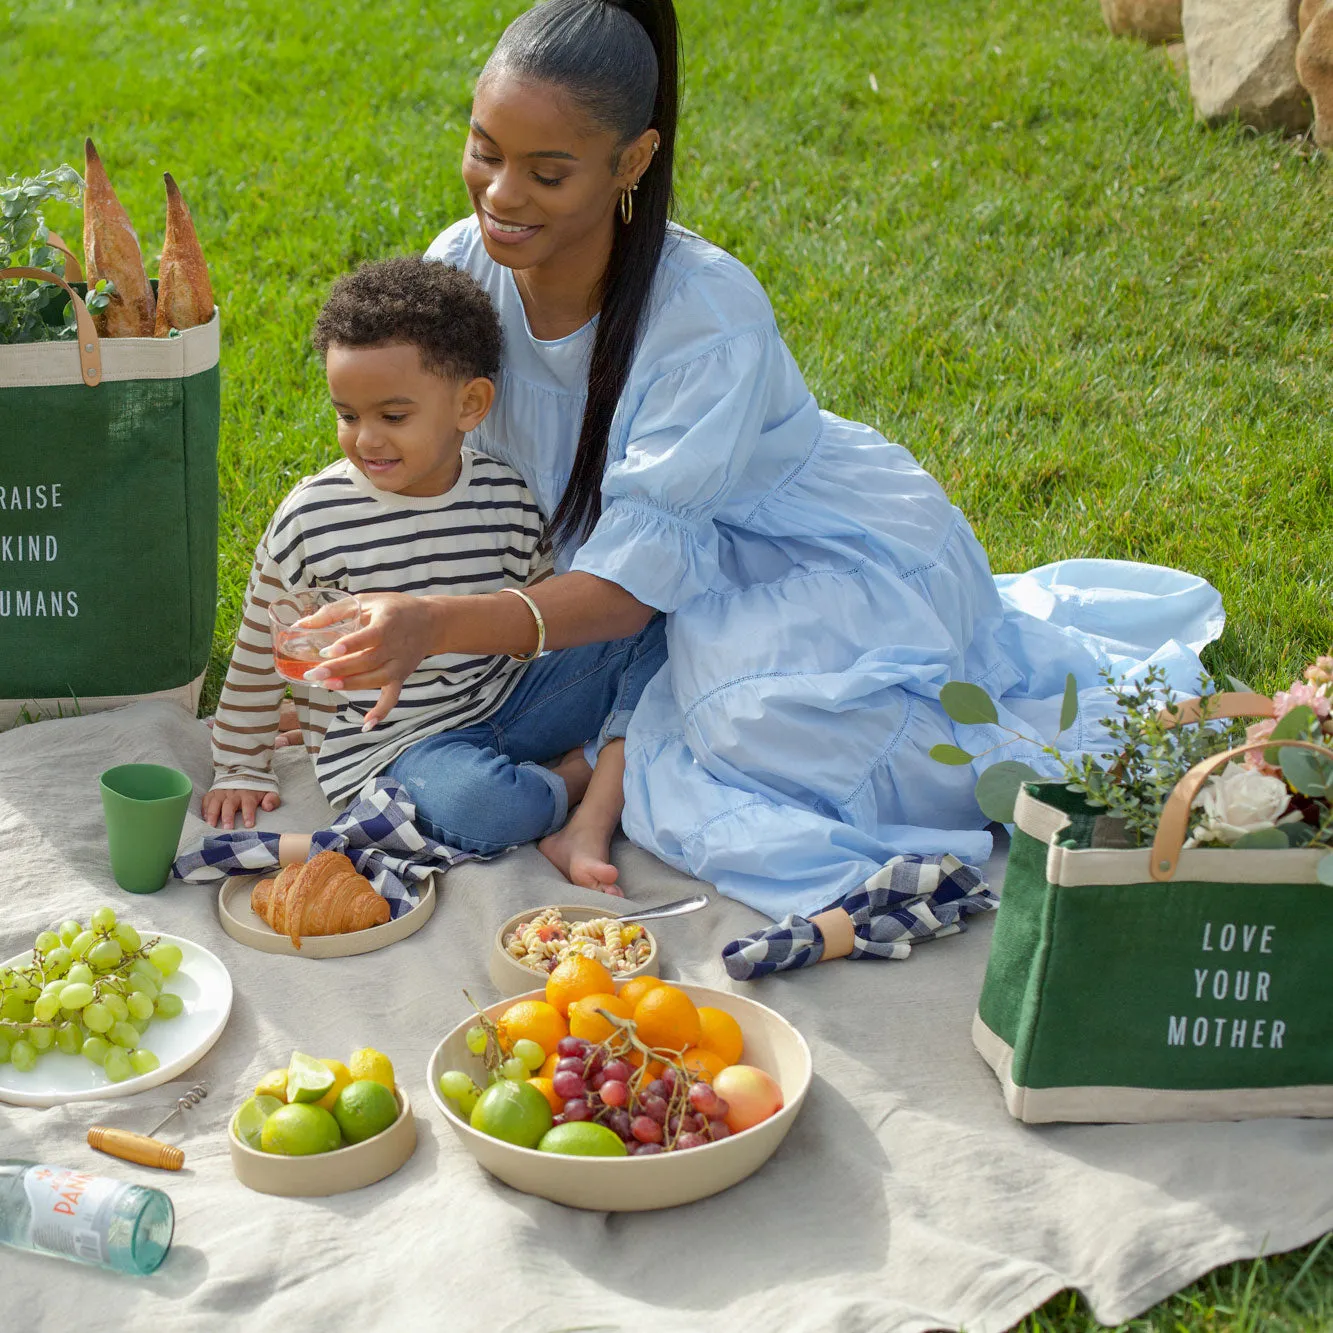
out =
column 82, row 943
column 69, row 1037
column 103, row 918
column 165, row 957
column 5, row 1044
column 123, row 1034
column 514, row 1070
column 468, row 1101
column 97, row 1017
column 41, row 1039
column 168, row 1006
column 105, row 954
column 115, row 1002
column 144, row 1062
column 58, row 960
column 81, row 972
column 46, row 1008
column 475, row 1038
column 127, row 937
column 530, row 1053
column 46, row 941
column 15, row 1008
column 69, row 931
column 76, row 995
column 23, row 1056
column 95, row 1050
column 141, row 1005
column 118, row 1067
column 145, row 977
column 454, row 1084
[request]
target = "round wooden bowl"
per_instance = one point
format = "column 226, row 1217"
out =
column 324, row 1173
column 511, row 977
column 638, row 1184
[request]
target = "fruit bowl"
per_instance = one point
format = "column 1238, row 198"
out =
column 637, row 1184
column 511, row 977
column 325, row 1173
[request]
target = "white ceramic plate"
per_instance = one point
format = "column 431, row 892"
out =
column 202, row 983
column 243, row 925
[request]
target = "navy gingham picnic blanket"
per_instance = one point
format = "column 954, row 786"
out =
column 910, row 898
column 375, row 833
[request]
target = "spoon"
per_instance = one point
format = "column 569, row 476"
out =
column 679, row 908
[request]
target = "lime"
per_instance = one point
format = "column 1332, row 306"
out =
column 308, row 1079
column 299, row 1130
column 582, row 1138
column 364, row 1108
column 372, row 1064
column 250, row 1116
column 514, row 1112
column 273, row 1084
column 342, row 1076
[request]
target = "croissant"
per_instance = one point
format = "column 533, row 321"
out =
column 325, row 896
column 184, row 294
column 111, row 250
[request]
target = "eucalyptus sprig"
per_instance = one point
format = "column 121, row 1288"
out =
column 24, row 238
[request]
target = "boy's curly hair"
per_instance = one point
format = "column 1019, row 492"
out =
column 440, row 310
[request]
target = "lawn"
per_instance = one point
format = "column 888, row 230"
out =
column 987, row 228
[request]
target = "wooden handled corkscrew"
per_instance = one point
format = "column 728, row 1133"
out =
column 144, row 1148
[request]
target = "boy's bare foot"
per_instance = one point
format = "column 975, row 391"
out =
column 577, row 773
column 581, row 856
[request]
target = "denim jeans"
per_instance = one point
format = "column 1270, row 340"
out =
column 482, row 788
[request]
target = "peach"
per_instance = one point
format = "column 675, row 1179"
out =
column 751, row 1095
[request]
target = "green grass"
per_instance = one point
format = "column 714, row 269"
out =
column 1102, row 328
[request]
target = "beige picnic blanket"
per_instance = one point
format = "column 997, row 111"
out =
column 904, row 1197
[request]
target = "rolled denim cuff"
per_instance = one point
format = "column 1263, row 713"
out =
column 613, row 729
column 558, row 790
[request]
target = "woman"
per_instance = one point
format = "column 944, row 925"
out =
column 820, row 587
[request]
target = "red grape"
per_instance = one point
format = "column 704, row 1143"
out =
column 597, row 1080
column 657, row 1089
column 703, row 1099
column 691, row 1140
column 619, row 1121
column 654, row 1108
column 571, row 1063
column 645, row 1129
column 571, row 1046
column 578, row 1109
column 645, row 1149
column 719, row 1129
column 620, row 1071
column 614, row 1093
column 568, row 1084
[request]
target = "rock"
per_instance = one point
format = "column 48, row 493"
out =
column 1314, row 68
column 1149, row 20
column 1242, row 62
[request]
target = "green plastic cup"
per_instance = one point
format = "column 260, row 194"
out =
column 145, row 808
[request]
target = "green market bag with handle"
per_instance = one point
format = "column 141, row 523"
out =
column 108, row 517
column 1150, row 984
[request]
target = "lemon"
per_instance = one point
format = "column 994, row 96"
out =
column 299, row 1130
column 248, row 1121
column 273, row 1084
column 342, row 1076
column 372, row 1064
column 365, row 1108
column 308, row 1079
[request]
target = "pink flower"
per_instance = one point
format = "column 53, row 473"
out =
column 1260, row 731
column 1302, row 693
column 1321, row 673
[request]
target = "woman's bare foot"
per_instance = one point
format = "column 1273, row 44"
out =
column 581, row 855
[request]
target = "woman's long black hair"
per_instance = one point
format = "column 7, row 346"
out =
column 617, row 61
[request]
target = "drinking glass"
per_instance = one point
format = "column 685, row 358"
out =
column 297, row 648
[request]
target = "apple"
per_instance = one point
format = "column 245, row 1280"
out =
column 750, row 1095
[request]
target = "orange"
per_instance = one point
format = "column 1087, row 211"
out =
column 547, row 1090
column 548, row 1069
column 636, row 988
column 703, row 1064
column 586, row 1022
column 534, row 1019
column 655, row 1067
column 666, row 1017
column 576, row 977
column 721, row 1034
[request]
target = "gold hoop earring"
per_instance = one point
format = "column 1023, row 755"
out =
column 627, row 204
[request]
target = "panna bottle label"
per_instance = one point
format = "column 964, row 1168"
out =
column 71, row 1211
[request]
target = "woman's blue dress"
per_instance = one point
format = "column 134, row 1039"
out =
column 821, row 587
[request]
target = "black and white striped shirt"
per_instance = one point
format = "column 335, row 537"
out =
column 336, row 530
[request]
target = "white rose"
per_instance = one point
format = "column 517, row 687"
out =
column 1237, row 801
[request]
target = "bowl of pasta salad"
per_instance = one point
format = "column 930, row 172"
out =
column 530, row 944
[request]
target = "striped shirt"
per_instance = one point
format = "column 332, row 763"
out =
column 335, row 530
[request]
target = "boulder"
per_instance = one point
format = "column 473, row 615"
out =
column 1242, row 62
column 1314, row 67
column 1148, row 20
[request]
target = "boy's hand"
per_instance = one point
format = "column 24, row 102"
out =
column 222, row 803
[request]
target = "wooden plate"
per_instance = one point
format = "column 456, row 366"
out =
column 242, row 924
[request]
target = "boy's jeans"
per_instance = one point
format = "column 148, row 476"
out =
column 482, row 788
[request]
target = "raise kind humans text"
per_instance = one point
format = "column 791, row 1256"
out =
column 1219, row 979
column 32, row 549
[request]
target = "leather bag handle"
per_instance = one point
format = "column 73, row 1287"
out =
column 1219, row 705
column 89, row 346
column 1174, row 824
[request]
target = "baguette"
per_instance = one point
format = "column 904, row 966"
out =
column 111, row 251
column 184, row 294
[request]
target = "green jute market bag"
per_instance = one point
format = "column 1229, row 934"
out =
column 108, row 517
column 1151, row 984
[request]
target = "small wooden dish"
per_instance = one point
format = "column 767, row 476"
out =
column 242, row 924
column 326, row 1173
column 511, row 977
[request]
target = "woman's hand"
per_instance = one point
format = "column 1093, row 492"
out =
column 221, row 805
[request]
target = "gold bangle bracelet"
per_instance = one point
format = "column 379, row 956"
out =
column 541, row 627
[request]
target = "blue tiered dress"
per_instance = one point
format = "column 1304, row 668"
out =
column 821, row 589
